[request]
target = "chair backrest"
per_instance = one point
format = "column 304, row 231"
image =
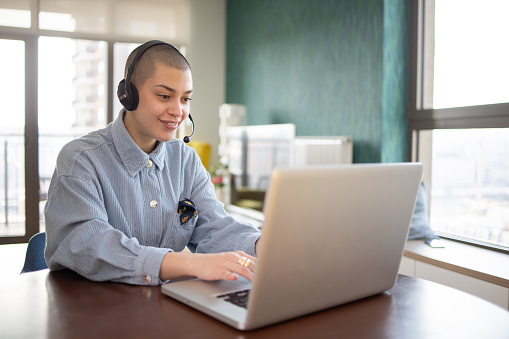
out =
column 34, row 259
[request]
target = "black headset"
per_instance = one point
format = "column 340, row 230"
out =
column 127, row 92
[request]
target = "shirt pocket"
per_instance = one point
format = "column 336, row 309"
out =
column 178, row 234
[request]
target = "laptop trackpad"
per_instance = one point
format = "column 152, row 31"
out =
column 203, row 296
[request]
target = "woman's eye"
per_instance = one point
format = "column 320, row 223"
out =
column 164, row 96
column 187, row 99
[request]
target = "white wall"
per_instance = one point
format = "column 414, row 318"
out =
column 207, row 55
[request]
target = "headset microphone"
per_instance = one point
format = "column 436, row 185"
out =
column 188, row 138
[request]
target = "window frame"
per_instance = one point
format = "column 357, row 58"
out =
column 420, row 85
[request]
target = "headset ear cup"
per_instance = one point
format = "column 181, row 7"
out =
column 122, row 94
column 130, row 102
column 134, row 99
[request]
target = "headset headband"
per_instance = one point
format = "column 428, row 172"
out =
column 130, row 69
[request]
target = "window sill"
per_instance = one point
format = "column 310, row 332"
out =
column 476, row 262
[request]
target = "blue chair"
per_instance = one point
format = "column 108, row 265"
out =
column 34, row 259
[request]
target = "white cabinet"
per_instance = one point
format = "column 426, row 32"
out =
column 407, row 267
column 496, row 294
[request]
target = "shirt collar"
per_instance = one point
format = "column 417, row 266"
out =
column 133, row 158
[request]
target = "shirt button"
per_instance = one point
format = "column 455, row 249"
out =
column 149, row 164
column 147, row 279
column 154, row 204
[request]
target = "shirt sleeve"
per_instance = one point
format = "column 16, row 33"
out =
column 80, row 238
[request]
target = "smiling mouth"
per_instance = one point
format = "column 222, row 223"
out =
column 169, row 124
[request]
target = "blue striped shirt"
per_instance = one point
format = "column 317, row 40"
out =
column 111, row 212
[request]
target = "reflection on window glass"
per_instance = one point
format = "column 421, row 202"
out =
column 471, row 53
column 57, row 21
column 15, row 13
column 12, row 142
column 164, row 19
column 74, row 16
column 149, row 18
column 14, row 18
column 72, row 100
column 470, row 184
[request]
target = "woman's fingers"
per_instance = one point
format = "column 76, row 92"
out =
column 227, row 266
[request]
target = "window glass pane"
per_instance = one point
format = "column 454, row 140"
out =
column 12, row 142
column 72, row 101
column 470, row 184
column 471, row 53
column 15, row 13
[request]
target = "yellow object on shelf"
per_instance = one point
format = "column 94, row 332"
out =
column 203, row 149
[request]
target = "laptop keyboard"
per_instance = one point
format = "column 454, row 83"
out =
column 238, row 298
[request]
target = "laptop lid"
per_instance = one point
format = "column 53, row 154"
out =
column 332, row 234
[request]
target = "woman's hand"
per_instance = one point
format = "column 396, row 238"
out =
column 226, row 266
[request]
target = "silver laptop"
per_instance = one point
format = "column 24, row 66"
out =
column 332, row 235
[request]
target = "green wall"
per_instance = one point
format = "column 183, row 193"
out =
column 330, row 67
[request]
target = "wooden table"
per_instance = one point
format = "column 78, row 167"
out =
column 65, row 305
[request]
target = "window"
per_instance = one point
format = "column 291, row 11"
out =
column 69, row 100
column 12, row 138
column 471, row 53
column 63, row 63
column 459, row 115
column 470, row 183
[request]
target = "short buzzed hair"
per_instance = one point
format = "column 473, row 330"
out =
column 145, row 66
